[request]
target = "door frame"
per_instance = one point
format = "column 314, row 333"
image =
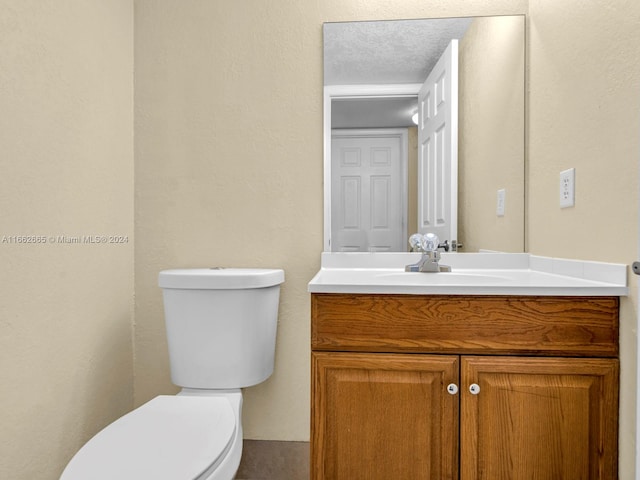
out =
column 402, row 135
column 348, row 92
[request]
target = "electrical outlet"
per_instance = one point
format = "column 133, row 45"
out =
column 500, row 203
column 567, row 188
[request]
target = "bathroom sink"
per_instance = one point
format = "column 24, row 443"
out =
column 472, row 274
column 440, row 278
column 392, row 280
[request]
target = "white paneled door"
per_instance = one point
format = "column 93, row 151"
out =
column 438, row 148
column 368, row 178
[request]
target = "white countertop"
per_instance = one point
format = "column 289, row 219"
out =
column 472, row 274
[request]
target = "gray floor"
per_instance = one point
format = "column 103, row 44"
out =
column 274, row 460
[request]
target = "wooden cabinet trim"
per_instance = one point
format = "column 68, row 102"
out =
column 509, row 325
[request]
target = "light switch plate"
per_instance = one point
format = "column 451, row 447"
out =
column 567, row 188
column 500, row 203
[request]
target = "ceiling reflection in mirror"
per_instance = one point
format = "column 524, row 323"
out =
column 372, row 74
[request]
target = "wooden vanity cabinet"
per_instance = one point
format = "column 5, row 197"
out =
column 383, row 416
column 455, row 387
column 547, row 418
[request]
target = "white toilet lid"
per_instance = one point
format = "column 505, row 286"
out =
column 170, row 437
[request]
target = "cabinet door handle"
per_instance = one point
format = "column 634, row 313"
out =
column 452, row 388
column 474, row 388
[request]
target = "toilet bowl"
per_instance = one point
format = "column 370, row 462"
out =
column 221, row 326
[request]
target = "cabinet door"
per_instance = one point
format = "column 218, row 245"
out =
column 384, row 416
column 538, row 418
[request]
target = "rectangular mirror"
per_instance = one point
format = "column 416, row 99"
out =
column 424, row 132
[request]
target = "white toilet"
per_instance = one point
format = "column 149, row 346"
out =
column 221, row 330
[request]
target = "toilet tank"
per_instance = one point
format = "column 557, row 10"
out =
column 221, row 325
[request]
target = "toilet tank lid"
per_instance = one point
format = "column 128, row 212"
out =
column 220, row 278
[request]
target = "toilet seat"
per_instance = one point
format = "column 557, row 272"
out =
column 168, row 438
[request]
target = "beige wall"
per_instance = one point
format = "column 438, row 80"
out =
column 66, row 163
column 491, row 134
column 584, row 112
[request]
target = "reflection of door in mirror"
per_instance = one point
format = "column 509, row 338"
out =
column 369, row 172
column 438, row 149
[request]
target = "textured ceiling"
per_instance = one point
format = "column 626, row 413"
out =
column 398, row 51
column 368, row 53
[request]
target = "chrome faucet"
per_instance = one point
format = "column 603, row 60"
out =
column 428, row 244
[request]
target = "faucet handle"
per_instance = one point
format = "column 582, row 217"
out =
column 415, row 242
column 430, row 242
